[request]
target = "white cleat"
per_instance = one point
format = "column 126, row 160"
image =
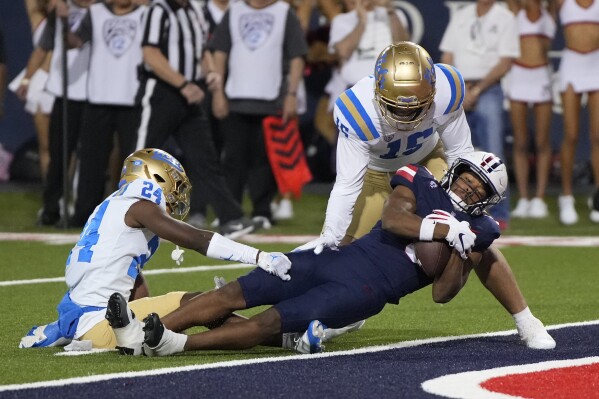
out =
column 330, row 333
column 284, row 210
column 534, row 334
column 311, row 341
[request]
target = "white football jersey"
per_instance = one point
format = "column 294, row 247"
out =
column 367, row 141
column 360, row 123
column 110, row 254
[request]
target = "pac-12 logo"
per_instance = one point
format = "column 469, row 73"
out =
column 118, row 35
column 255, row 28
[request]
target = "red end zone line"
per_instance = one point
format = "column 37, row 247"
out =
column 505, row 241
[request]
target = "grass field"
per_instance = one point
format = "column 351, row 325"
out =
column 559, row 283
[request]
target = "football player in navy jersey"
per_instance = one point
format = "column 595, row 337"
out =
column 409, row 112
column 104, row 269
column 346, row 285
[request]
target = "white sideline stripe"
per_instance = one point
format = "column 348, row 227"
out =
column 467, row 385
column 235, row 363
column 193, row 269
column 503, row 241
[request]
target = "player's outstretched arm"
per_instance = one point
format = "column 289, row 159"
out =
column 149, row 215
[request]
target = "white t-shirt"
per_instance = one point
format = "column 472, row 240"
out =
column 376, row 36
column 110, row 254
column 476, row 43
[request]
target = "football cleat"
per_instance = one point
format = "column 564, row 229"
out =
column 330, row 333
column 44, row 336
column 160, row 341
column 534, row 334
column 311, row 341
column 127, row 329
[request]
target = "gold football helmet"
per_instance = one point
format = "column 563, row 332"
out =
column 404, row 84
column 162, row 168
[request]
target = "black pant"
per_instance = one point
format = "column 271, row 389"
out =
column 165, row 113
column 53, row 189
column 100, row 122
column 246, row 162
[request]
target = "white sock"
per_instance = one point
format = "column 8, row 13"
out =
column 522, row 316
column 131, row 334
column 289, row 340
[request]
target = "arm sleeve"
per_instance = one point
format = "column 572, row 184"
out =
column 221, row 40
column 486, row 230
column 352, row 161
column 85, row 28
column 455, row 135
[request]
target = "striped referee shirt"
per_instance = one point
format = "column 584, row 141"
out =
column 180, row 32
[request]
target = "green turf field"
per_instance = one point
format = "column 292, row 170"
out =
column 559, row 283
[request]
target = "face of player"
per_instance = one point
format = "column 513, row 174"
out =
column 469, row 187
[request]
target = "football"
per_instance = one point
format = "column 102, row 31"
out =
column 432, row 256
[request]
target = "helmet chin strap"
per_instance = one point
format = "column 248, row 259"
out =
column 458, row 203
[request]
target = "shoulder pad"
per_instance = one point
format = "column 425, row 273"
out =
column 354, row 111
column 406, row 175
column 450, row 89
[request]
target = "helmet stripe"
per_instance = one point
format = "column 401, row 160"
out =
column 356, row 115
column 457, row 86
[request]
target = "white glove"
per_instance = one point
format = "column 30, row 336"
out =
column 318, row 244
column 177, row 255
column 460, row 237
column 275, row 263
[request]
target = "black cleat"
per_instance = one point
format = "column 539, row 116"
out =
column 116, row 311
column 153, row 330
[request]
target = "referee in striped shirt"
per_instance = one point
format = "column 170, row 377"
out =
column 170, row 97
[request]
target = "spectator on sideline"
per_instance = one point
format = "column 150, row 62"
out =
column 78, row 61
column 264, row 66
column 119, row 239
column 343, row 286
column 114, row 31
column 171, row 103
column 38, row 102
column 481, row 40
column 577, row 75
column 529, row 85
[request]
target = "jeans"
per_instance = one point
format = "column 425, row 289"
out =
column 487, row 125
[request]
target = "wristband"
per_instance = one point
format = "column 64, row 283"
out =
column 427, row 229
column 182, row 86
column 25, row 82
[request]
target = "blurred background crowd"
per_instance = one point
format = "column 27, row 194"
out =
column 168, row 74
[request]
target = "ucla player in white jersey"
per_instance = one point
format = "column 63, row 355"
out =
column 121, row 235
column 409, row 111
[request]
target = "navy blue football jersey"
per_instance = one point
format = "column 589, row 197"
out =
column 430, row 196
